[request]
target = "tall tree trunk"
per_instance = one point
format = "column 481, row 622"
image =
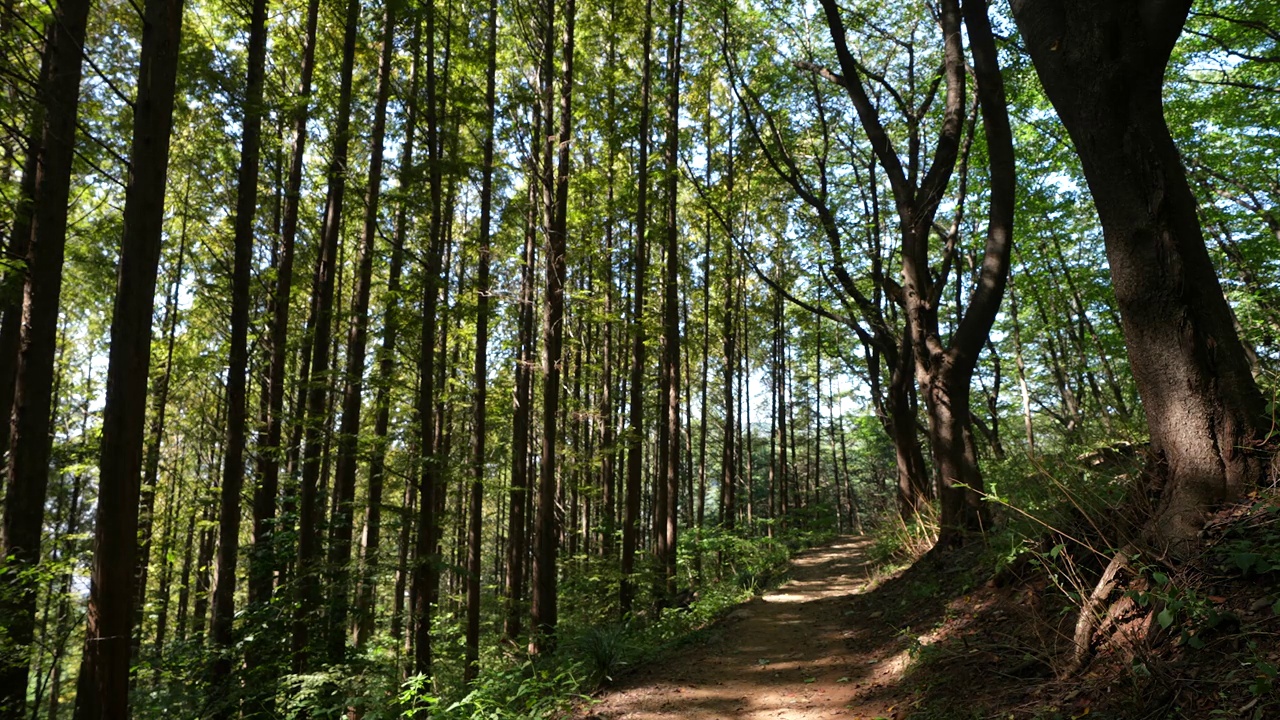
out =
column 238, row 364
column 386, row 359
column 479, row 427
column 544, row 606
column 40, row 233
column 151, row 465
column 1022, row 371
column 353, row 381
column 700, row 511
column 426, row 571
column 608, row 437
column 103, row 689
column 521, row 417
column 635, row 428
column 1102, row 65
column 308, row 582
column 264, row 556
column 669, row 420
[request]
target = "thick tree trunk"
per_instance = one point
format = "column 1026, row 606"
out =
column 103, row 689
column 45, row 198
column 915, row 491
column 1102, row 65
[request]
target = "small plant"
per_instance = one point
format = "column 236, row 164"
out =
column 905, row 541
column 603, row 651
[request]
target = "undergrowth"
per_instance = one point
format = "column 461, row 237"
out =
column 1198, row 638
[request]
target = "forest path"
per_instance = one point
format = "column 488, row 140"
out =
column 793, row 654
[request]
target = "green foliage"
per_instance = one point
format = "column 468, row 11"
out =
column 603, row 650
column 751, row 564
column 529, row 690
column 1251, row 548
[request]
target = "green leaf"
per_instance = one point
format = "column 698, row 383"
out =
column 1246, row 560
column 1165, row 618
column 1160, row 578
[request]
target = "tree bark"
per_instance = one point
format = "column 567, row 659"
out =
column 103, row 688
column 238, row 364
column 41, row 235
column 1102, row 65
column 544, row 607
column 669, row 420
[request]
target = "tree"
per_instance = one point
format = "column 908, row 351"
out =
column 944, row 369
column 669, row 423
column 40, row 231
column 308, row 588
column 481, row 372
column 238, row 361
column 1102, row 66
column 103, row 687
column 344, row 489
column 635, row 420
column 544, row 608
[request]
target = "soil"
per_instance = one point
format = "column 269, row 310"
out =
column 794, row 653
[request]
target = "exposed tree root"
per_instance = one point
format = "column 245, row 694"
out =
column 1091, row 609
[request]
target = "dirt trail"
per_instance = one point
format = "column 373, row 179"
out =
column 793, row 654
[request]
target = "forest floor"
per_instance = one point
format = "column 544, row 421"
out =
column 944, row 640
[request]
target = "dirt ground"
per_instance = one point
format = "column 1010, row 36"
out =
column 945, row 640
column 794, row 653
